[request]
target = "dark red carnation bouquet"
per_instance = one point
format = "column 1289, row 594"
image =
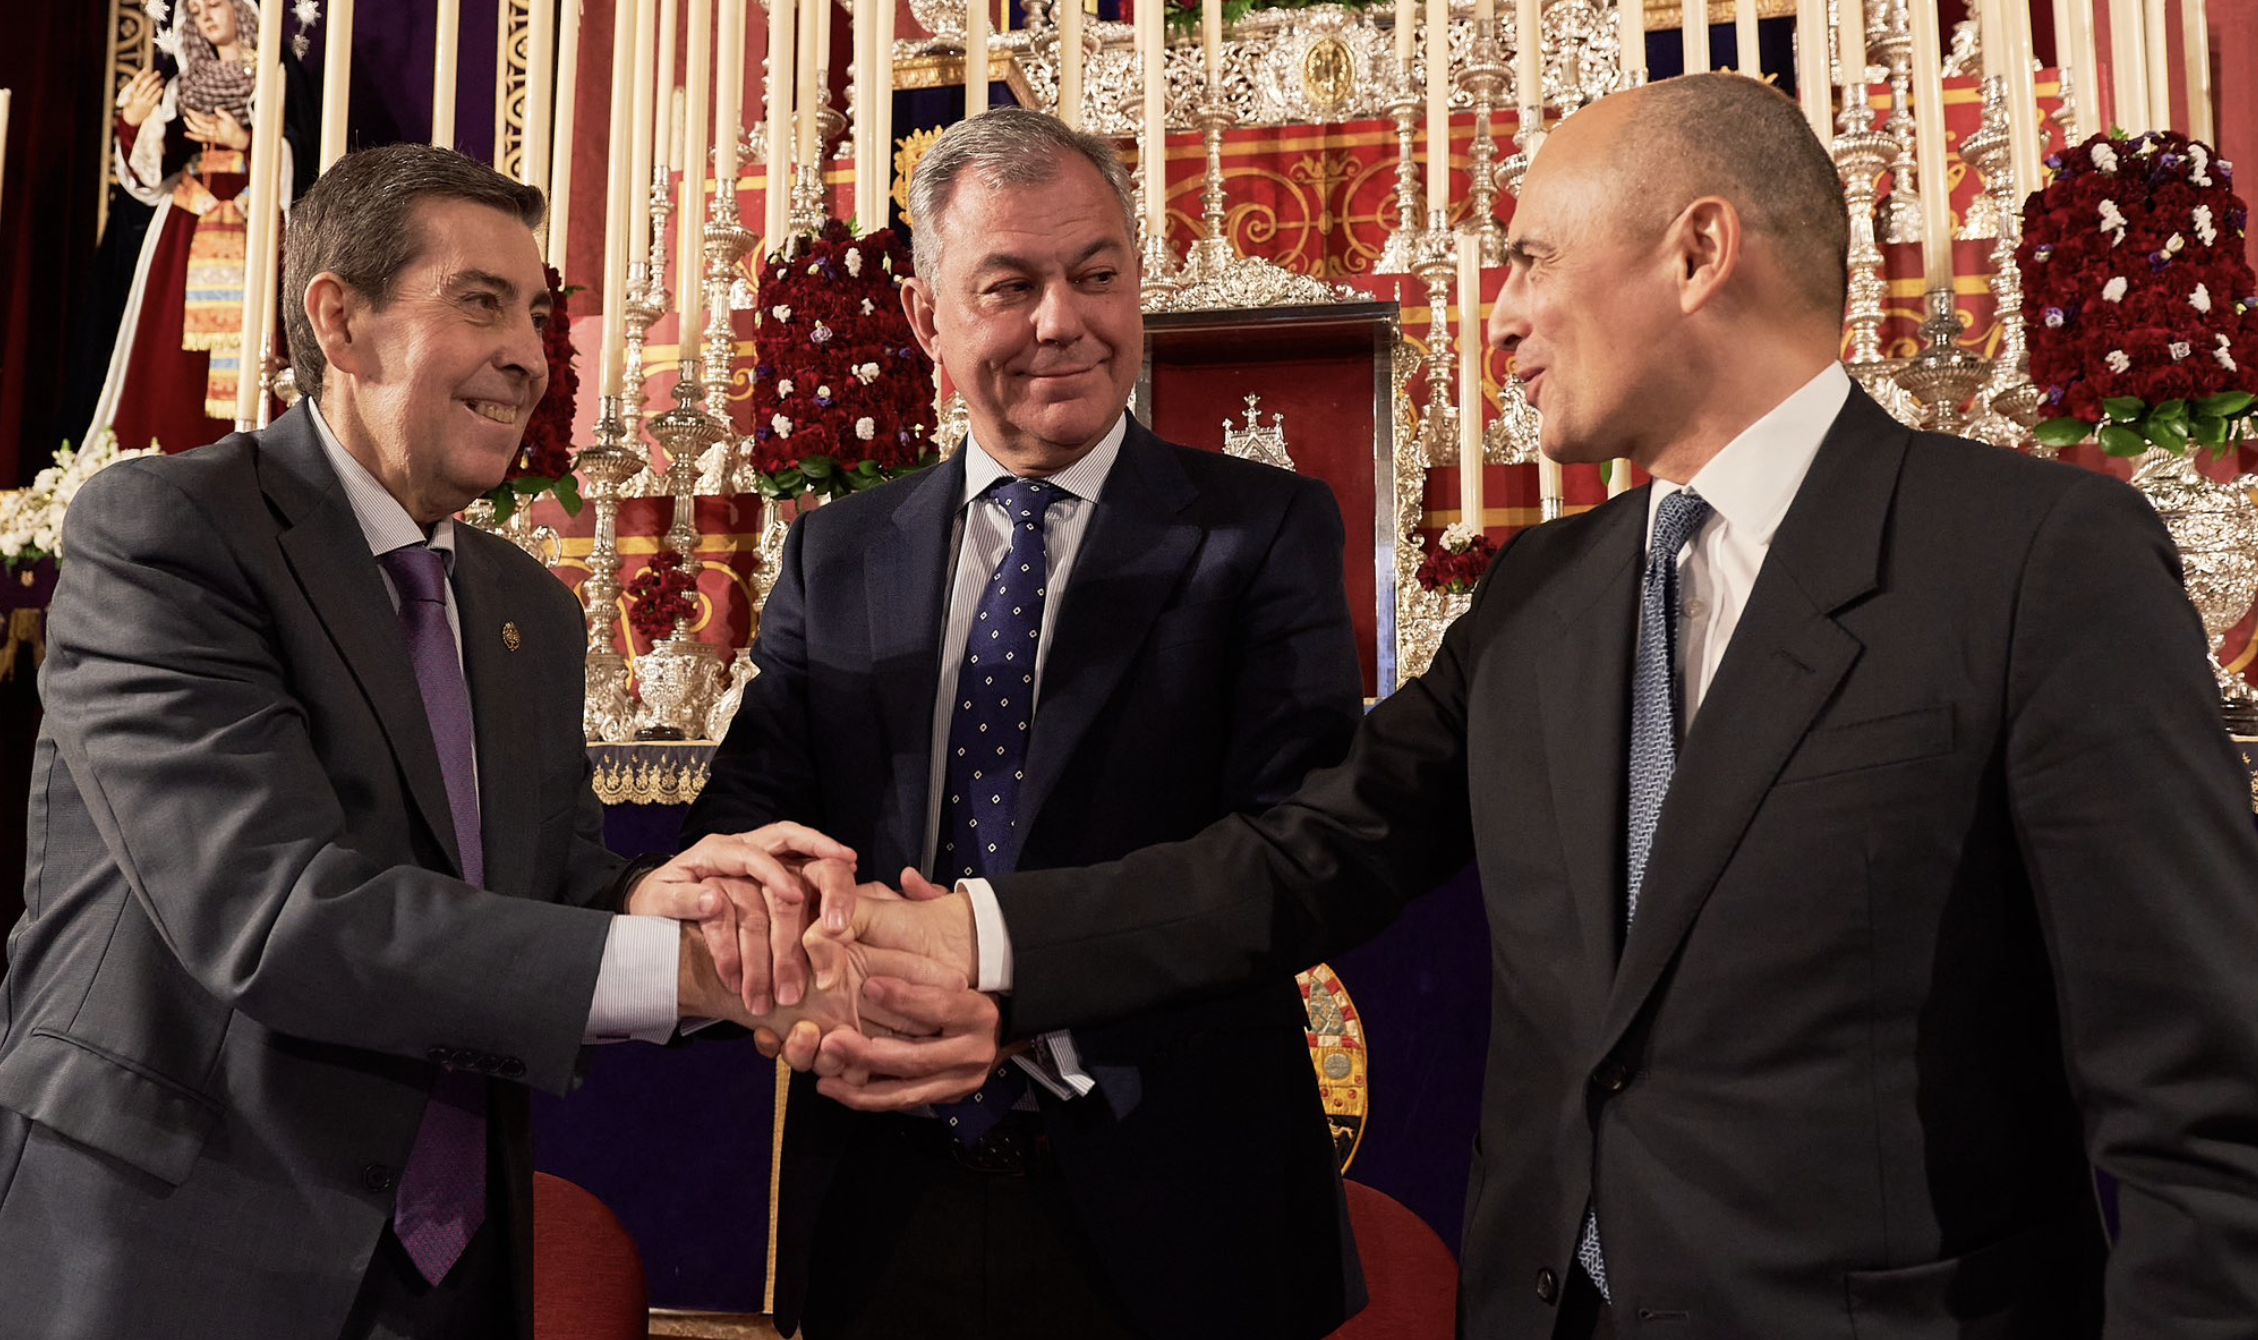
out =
column 1457, row 561
column 842, row 394
column 544, row 457
column 2143, row 312
column 665, row 593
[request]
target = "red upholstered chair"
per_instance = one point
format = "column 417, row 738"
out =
column 1410, row 1274
column 587, row 1275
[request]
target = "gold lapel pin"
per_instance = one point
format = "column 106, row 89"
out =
column 511, row 637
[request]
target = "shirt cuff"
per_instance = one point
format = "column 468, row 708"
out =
column 637, row 985
column 994, row 947
column 1057, row 1066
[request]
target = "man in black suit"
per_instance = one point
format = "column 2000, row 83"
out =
column 1146, row 638
column 1864, row 860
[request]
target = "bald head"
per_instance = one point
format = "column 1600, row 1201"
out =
column 1663, row 146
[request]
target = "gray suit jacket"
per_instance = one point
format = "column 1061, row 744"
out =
column 246, row 952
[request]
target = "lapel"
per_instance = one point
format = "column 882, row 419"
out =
column 1583, row 682
column 1786, row 658
column 501, row 706
column 1129, row 562
column 906, row 589
column 322, row 542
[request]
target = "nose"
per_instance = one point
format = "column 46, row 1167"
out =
column 1058, row 316
column 521, row 351
column 1506, row 326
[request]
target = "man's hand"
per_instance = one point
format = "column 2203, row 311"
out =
column 746, row 894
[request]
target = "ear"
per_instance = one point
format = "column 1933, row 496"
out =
column 917, row 304
column 334, row 309
column 1704, row 247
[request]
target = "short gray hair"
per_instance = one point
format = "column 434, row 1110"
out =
column 1009, row 146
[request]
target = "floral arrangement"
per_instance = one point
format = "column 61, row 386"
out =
column 544, row 457
column 1457, row 561
column 842, row 395
column 2146, row 312
column 31, row 520
column 665, row 593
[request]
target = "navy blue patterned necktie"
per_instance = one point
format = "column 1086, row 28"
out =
column 988, row 732
column 1653, row 756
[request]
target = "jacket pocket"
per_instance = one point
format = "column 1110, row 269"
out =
column 108, row 1103
column 1900, row 737
column 1996, row 1292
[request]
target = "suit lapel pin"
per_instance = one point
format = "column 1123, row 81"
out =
column 511, row 638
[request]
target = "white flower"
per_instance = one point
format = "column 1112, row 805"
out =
column 823, row 393
column 2223, row 354
column 821, row 334
column 866, row 428
column 2174, row 245
column 2180, row 349
column 886, row 263
column 781, row 425
column 2204, row 227
column 867, row 373
column 307, row 12
column 867, row 308
column 815, row 268
column 2112, row 221
column 2114, row 290
column 2200, row 172
column 784, row 386
column 2105, row 157
column 2200, row 300
column 780, row 312
column 2118, row 362
column 854, row 261
column 1458, row 537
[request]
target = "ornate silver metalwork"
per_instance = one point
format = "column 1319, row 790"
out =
column 1212, row 253
column 2215, row 526
column 2009, row 405
column 1484, row 77
column 1402, row 249
column 1943, row 375
column 724, row 710
column 1861, row 152
column 676, row 674
column 1437, row 268
column 606, row 715
column 1421, row 615
column 1256, row 443
column 1901, row 213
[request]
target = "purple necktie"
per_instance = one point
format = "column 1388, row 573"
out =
column 442, row 1198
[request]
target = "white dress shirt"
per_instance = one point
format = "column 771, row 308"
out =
column 637, row 983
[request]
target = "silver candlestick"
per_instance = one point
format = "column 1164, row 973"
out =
column 1484, row 77
column 1402, row 251
column 1902, row 220
column 1943, row 375
column 1437, row 268
column 1212, row 254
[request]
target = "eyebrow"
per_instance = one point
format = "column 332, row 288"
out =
column 1007, row 261
column 487, row 279
column 1522, row 250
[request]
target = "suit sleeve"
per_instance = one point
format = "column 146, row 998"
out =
column 1259, row 895
column 170, row 705
column 764, row 770
column 2134, row 820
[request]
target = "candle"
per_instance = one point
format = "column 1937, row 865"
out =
column 266, row 154
column 2085, row 57
column 617, row 186
column 642, row 118
column 1529, row 56
column 1070, row 62
column 666, row 143
column 776, row 187
column 1438, row 104
column 810, row 124
column 1851, row 15
column 337, row 80
column 2197, row 17
column 1928, row 147
column 1744, row 38
column 1633, row 36
column 690, row 214
column 560, row 141
column 728, row 94
column 449, row 38
column 1407, row 20
column 1211, row 39
column 1693, row 19
column 882, row 129
column 1485, row 11
column 975, row 57
column 1618, row 476
column 264, row 263
column 1470, row 377
column 2129, row 95
column 1548, row 482
column 540, row 94
column 2023, row 126
column 2156, row 47
column 1811, row 54
column 7, row 96
column 1152, row 149
column 864, row 19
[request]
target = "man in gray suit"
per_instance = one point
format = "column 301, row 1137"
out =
column 316, row 890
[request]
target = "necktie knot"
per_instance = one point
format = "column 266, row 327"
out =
column 1676, row 521
column 1028, row 501
column 418, row 571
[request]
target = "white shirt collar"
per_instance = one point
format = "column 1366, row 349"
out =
column 385, row 524
column 1083, row 479
column 1751, row 482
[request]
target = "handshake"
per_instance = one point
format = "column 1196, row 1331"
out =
column 869, row 987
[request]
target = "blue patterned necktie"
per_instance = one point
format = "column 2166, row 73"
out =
column 1654, row 740
column 442, row 1196
column 988, row 731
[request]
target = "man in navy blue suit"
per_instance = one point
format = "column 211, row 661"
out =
column 1071, row 641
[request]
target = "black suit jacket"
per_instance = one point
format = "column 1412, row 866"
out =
column 1951, row 892
column 246, row 950
column 1201, row 663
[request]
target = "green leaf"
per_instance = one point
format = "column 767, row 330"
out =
column 568, row 495
column 2226, row 404
column 789, row 481
column 2210, row 431
column 505, row 504
column 816, row 467
column 2118, row 440
column 1606, row 472
column 2170, row 434
column 530, row 487
column 2174, row 410
column 2062, row 432
column 2126, row 408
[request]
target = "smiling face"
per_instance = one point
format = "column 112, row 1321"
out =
column 1034, row 313
column 433, row 388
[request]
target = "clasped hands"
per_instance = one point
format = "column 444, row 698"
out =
column 867, row 987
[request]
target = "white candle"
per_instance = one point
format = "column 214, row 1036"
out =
column 728, row 93
column 2127, row 68
column 449, row 43
column 1811, row 56
column 617, row 186
column 7, row 96
column 266, row 154
column 690, row 215
column 1548, row 480
column 337, row 81
column 1152, row 150
column 2197, row 17
column 1211, row 39
column 2023, row 126
column 666, row 141
column 2156, row 47
column 1693, row 19
column 540, row 95
column 2085, row 64
column 1407, row 21
column 776, row 187
column 265, row 262
column 1529, row 55
column 882, row 132
column 560, row 143
column 1744, row 38
column 1438, row 104
column 1632, row 17
column 809, row 126
column 1070, row 62
column 643, row 117
column 1470, row 378
column 1928, row 147
column 1851, row 16
column 1618, row 476
column 864, row 21
column 975, row 57
column 1485, row 11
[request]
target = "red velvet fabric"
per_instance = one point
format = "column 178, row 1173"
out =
column 1410, row 1275
column 587, row 1275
